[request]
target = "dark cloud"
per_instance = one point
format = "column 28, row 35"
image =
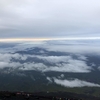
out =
column 49, row 18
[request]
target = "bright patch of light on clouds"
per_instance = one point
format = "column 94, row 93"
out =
column 46, row 39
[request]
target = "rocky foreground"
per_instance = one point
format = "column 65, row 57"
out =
column 5, row 95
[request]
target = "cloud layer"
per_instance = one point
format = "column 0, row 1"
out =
column 49, row 63
column 62, row 57
column 75, row 83
column 49, row 18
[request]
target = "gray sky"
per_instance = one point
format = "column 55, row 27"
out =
column 49, row 18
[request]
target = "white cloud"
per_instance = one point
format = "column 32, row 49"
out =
column 13, row 65
column 55, row 59
column 71, row 66
column 49, row 79
column 73, row 46
column 75, row 83
column 82, row 49
column 61, row 76
column 8, row 56
column 59, row 63
column 33, row 66
column 70, row 46
column 68, row 64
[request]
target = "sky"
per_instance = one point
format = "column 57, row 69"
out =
column 49, row 18
column 39, row 20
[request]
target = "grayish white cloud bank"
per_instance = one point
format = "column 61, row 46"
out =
column 75, row 83
column 68, row 63
column 47, row 63
column 49, row 18
column 70, row 46
column 57, row 56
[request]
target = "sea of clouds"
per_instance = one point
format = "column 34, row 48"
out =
column 9, row 58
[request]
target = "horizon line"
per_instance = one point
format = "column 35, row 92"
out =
column 46, row 39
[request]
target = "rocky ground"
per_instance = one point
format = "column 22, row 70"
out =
column 5, row 95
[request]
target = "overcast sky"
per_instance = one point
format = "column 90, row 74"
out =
column 49, row 18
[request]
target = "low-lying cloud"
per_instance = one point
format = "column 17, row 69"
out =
column 58, row 63
column 75, row 83
column 72, row 59
column 67, row 46
column 72, row 56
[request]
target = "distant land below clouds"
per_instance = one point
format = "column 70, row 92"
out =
column 73, row 62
